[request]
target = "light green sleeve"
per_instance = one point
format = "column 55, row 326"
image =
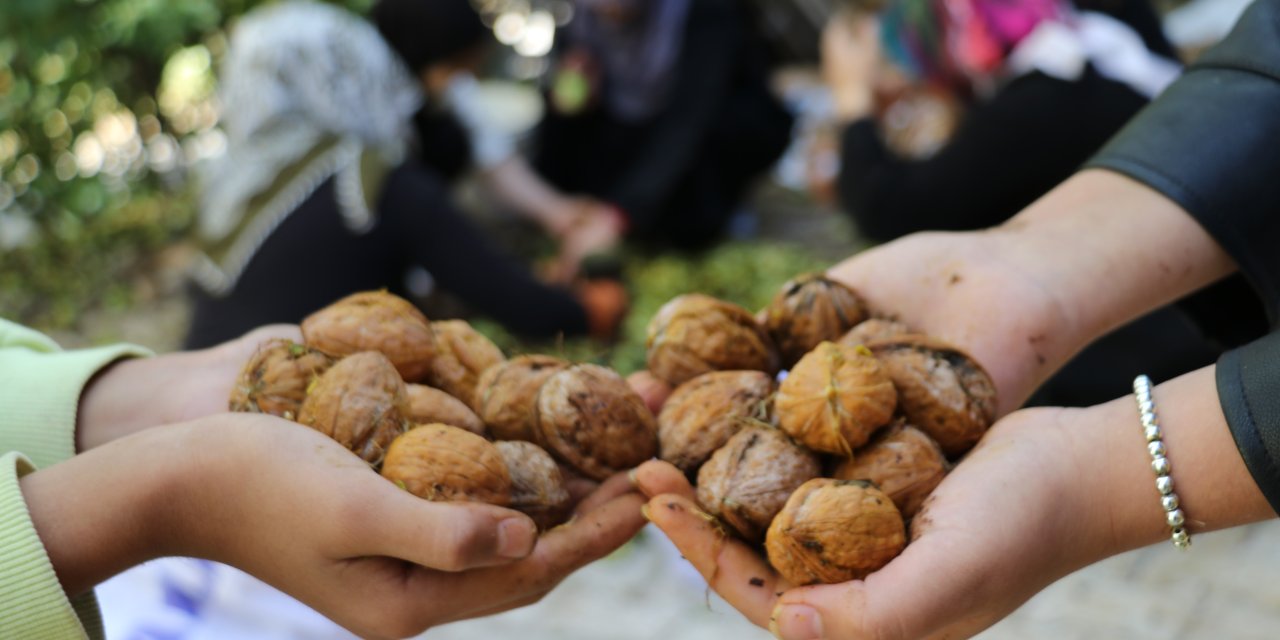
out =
column 40, row 389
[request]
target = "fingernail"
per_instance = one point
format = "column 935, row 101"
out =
column 631, row 477
column 795, row 622
column 516, row 537
column 644, row 511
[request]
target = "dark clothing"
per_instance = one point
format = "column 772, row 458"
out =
column 312, row 259
column 1210, row 144
column 1033, row 134
column 679, row 175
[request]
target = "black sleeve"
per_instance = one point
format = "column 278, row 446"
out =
column 416, row 208
column 1033, row 134
column 1210, row 144
column 703, row 78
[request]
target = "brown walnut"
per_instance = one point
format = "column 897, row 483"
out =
column 834, row 398
column 374, row 321
column 276, row 377
column 537, row 486
column 703, row 413
column 904, row 462
column 747, row 481
column 428, row 405
column 360, row 402
column 693, row 334
column 810, row 309
column 592, row 421
column 941, row 389
column 872, row 330
column 462, row 354
column 507, row 395
column 444, row 463
column 834, row 531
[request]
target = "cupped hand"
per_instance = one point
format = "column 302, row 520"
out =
column 996, row 531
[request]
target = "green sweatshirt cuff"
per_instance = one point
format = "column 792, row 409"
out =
column 40, row 394
column 32, row 602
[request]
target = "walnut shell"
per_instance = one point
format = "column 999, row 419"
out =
column 374, row 321
column 592, row 421
column 703, row 413
column 904, row 462
column 693, row 334
column 444, row 463
column 360, row 402
column 462, row 354
column 941, row 389
column 834, row 531
column 873, row 330
column 428, row 405
column 834, row 398
column 507, row 395
column 809, row 309
column 537, row 486
column 276, row 377
column 747, row 481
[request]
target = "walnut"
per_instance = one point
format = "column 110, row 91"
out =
column 462, row 354
column 276, row 378
column 809, row 309
column 703, row 413
column 747, row 481
column 374, row 321
column 360, row 402
column 693, row 334
column 941, row 390
column 872, row 330
column 440, row 462
column 591, row 420
column 428, row 405
column 507, row 395
column 834, row 398
column 537, row 486
column 904, row 462
column 834, row 531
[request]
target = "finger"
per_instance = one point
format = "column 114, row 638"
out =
column 271, row 332
column 448, row 536
column 617, row 485
column 730, row 567
column 652, row 390
column 657, row 477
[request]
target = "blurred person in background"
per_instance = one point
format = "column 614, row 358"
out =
column 1034, row 87
column 663, row 110
column 325, row 189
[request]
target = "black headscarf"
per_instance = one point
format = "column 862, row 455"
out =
column 428, row 31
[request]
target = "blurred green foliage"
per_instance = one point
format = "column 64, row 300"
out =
column 91, row 153
column 747, row 273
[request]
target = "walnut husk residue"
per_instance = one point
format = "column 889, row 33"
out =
column 835, row 398
column 590, row 419
column 507, row 395
column 374, row 321
column 443, row 463
column 809, row 309
column 537, row 486
column 834, row 531
column 703, row 413
column 747, row 481
column 941, row 389
column 359, row 402
column 694, row 333
column 904, row 462
column 428, row 405
column 276, row 377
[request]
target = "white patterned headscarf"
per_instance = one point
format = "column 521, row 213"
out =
column 295, row 74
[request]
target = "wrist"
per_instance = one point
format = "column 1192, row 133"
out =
column 852, row 102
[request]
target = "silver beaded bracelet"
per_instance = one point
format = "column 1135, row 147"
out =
column 1160, row 463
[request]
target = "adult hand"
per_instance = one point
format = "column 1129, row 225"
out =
column 595, row 228
column 135, row 394
column 297, row 510
column 850, row 59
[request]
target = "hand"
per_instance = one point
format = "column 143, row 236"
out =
column 135, row 394
column 295, row 509
column 594, row 229
column 850, row 57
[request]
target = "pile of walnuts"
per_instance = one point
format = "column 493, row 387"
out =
column 420, row 401
column 827, row 466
